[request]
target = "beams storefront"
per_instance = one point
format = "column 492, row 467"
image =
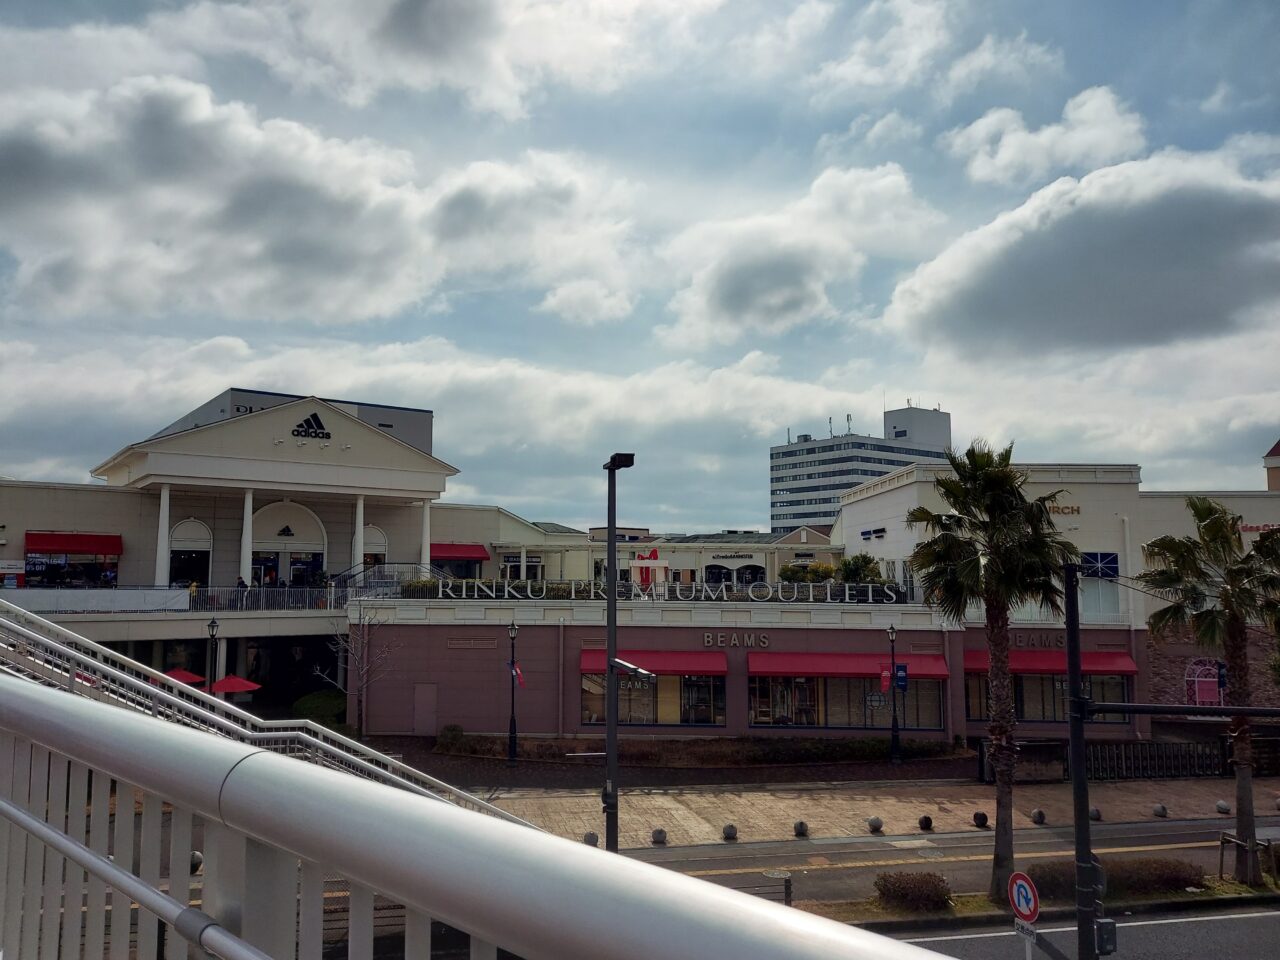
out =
column 757, row 680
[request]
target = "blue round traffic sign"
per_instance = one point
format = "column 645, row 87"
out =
column 1023, row 898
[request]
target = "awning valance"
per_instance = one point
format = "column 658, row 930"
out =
column 686, row 663
column 459, row 551
column 920, row 666
column 1053, row 661
column 94, row 544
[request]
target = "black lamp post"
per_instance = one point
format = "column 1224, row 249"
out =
column 213, row 654
column 609, row 797
column 511, row 734
column 895, row 748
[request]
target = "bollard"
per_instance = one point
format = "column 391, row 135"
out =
column 1095, row 813
column 730, row 832
column 875, row 824
column 659, row 836
column 1222, row 806
column 1159, row 810
column 926, row 822
column 980, row 820
column 591, row 838
column 801, row 828
column 1038, row 817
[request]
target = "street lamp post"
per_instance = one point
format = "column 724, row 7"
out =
column 609, row 797
column 511, row 734
column 895, row 748
column 212, row 667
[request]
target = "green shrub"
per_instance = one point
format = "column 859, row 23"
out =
column 450, row 737
column 913, row 891
column 418, row 589
column 860, row 568
column 325, row 707
column 1126, row 877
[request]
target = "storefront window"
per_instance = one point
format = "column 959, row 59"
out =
column 70, row 570
column 668, row 699
column 853, row 702
column 1043, row 697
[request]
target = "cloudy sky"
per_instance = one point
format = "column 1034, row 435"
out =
column 677, row 227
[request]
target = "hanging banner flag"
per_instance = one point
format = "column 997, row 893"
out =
column 515, row 672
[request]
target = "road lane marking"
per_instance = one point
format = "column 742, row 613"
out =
column 1121, row 923
column 967, row 858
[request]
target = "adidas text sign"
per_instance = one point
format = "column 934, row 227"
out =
column 312, row 427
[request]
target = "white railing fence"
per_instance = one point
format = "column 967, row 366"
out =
column 271, row 829
column 38, row 649
column 180, row 600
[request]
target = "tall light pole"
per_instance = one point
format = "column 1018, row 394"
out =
column 511, row 733
column 895, row 748
column 212, row 627
column 609, row 797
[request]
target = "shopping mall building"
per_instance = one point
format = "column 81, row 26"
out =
column 324, row 509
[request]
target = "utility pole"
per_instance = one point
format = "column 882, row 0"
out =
column 1086, row 946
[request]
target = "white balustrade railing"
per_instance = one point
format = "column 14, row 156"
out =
column 180, row 600
column 272, row 829
column 41, row 650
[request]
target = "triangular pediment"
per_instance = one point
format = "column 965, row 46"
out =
column 304, row 438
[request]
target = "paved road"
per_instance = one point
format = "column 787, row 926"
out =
column 845, row 868
column 1243, row 935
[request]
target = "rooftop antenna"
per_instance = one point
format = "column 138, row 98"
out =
column 848, row 423
column 788, row 434
column 831, row 432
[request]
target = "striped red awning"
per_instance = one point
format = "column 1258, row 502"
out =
column 93, row 544
column 1053, row 661
column 684, row 663
column 920, row 666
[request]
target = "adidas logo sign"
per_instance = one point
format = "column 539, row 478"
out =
column 311, row 427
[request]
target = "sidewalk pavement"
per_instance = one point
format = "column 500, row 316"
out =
column 693, row 815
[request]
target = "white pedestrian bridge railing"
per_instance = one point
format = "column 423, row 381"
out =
column 41, row 650
column 275, row 832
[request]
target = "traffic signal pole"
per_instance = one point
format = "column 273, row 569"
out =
column 1086, row 945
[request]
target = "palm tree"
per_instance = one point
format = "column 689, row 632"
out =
column 1218, row 591
column 997, row 548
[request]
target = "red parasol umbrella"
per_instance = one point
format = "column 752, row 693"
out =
column 184, row 676
column 233, row 684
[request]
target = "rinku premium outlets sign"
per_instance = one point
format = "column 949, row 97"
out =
column 874, row 593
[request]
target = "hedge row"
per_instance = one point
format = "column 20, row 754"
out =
column 1126, row 877
column 735, row 751
column 914, row 891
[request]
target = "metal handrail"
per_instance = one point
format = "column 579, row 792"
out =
column 535, row 894
column 189, row 923
column 143, row 688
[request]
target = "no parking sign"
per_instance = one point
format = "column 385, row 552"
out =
column 1024, row 898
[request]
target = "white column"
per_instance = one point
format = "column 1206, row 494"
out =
column 523, row 576
column 246, row 539
column 426, row 533
column 162, row 540
column 357, row 561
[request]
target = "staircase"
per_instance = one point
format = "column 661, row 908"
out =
column 44, row 652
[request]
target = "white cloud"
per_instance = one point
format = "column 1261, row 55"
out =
column 1011, row 59
column 1096, row 129
column 778, row 46
column 1175, row 247
column 85, row 56
column 897, row 45
column 563, row 224
column 493, row 52
column 152, row 199
column 892, row 128
column 770, row 272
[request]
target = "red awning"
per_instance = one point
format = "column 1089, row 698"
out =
column 459, row 551
column 1053, row 661
column 685, row 663
column 52, row 541
column 921, row 666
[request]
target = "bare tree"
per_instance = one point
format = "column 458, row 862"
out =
column 363, row 656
